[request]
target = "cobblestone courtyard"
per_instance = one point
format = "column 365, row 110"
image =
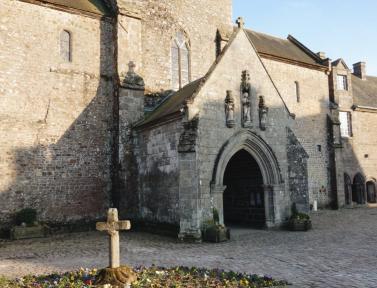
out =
column 339, row 252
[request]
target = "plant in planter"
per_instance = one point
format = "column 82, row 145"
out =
column 27, row 225
column 213, row 231
column 299, row 221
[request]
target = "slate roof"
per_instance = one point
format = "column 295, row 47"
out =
column 282, row 48
column 364, row 91
column 173, row 103
column 93, row 6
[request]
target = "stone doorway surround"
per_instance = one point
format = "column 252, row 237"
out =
column 269, row 167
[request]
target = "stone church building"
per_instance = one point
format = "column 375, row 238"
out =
column 168, row 110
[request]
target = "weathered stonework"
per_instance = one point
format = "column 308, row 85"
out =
column 93, row 121
column 56, row 116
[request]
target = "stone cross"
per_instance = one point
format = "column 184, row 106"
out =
column 112, row 227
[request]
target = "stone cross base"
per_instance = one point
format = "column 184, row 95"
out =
column 120, row 277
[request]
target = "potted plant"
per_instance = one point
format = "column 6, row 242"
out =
column 27, row 225
column 213, row 231
column 299, row 221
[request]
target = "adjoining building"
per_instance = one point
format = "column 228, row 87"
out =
column 167, row 110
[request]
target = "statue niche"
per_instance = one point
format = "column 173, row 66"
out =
column 229, row 110
column 246, row 99
column 263, row 110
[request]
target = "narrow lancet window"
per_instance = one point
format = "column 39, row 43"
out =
column 297, row 92
column 66, row 46
column 180, row 57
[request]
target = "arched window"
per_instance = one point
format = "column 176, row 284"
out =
column 358, row 189
column 297, row 92
column 66, row 46
column 371, row 192
column 348, row 189
column 180, row 60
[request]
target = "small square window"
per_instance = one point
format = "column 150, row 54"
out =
column 342, row 82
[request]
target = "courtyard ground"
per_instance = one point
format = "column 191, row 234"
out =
column 339, row 252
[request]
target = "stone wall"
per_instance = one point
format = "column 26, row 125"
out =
column 157, row 173
column 214, row 136
column 310, row 126
column 56, row 116
column 297, row 172
column 158, row 22
column 358, row 152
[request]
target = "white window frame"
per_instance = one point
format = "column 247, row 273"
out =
column 345, row 119
column 342, row 82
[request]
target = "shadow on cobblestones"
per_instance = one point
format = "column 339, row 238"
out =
column 336, row 253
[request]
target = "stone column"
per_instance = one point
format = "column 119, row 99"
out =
column 269, row 202
column 189, row 198
column 217, row 194
column 131, row 110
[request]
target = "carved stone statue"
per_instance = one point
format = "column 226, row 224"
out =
column 229, row 110
column 246, row 99
column 263, row 110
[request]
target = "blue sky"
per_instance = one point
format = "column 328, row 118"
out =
column 342, row 28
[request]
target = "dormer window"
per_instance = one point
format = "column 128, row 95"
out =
column 342, row 82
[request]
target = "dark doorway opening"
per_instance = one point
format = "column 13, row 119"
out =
column 348, row 189
column 371, row 192
column 358, row 189
column 244, row 202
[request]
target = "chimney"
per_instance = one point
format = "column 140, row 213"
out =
column 322, row 55
column 359, row 70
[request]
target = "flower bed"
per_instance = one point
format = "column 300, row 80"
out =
column 150, row 277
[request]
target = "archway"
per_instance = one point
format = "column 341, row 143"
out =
column 272, row 183
column 358, row 189
column 348, row 189
column 371, row 192
column 244, row 201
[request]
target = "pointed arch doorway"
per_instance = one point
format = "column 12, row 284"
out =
column 244, row 201
column 248, row 150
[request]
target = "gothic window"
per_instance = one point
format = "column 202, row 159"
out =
column 345, row 124
column 66, row 46
column 342, row 82
column 297, row 92
column 180, row 61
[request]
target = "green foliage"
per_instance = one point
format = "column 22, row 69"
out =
column 298, row 215
column 27, row 215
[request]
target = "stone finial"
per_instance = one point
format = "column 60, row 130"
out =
column 132, row 80
column 131, row 67
column 240, row 22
